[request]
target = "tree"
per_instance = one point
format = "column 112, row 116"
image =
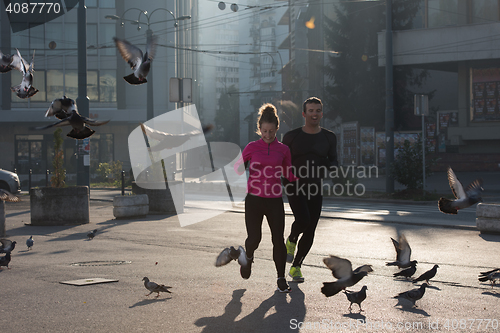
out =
column 227, row 117
column 57, row 180
column 408, row 165
column 357, row 88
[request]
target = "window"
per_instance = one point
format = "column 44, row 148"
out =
column 106, row 34
column 101, row 150
column 54, row 33
column 484, row 11
column 70, row 83
column 102, row 3
column 92, row 88
column 55, row 84
column 442, row 13
column 107, row 86
column 92, row 38
column 30, row 154
column 37, row 34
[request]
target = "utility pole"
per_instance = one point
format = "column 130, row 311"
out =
column 389, row 101
column 82, row 101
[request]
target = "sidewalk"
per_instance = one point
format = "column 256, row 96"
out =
column 438, row 182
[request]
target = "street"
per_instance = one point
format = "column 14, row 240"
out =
column 209, row 299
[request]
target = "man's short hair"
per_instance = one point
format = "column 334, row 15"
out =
column 313, row 100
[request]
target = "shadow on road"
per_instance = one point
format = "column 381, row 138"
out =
column 490, row 237
column 288, row 313
column 149, row 301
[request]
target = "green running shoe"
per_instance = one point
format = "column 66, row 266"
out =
column 296, row 274
column 290, row 250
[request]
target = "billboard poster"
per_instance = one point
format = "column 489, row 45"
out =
column 485, row 94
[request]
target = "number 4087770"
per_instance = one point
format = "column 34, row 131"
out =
column 34, row 7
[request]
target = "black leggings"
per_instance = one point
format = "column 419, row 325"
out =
column 272, row 208
column 306, row 210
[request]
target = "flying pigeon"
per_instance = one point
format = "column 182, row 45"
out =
column 403, row 253
column 407, row 273
column 427, row 275
column 464, row 198
column 5, row 260
column 25, row 89
column 492, row 276
column 7, row 196
column 91, row 234
column 414, row 294
column 6, row 62
column 7, row 245
column 227, row 255
column 139, row 62
column 79, row 123
column 30, row 242
column 155, row 288
column 342, row 270
column 167, row 140
column 356, row 297
column 61, row 108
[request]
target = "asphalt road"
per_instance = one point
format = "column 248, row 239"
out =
column 210, row 299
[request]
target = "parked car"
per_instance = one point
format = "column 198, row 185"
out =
column 9, row 181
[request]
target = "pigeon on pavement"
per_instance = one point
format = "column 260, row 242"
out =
column 356, row 297
column 167, row 140
column 7, row 196
column 61, row 108
column 25, row 89
column 403, row 253
column 139, row 62
column 30, row 242
column 492, row 276
column 414, row 294
column 407, row 273
column 342, row 270
column 91, row 234
column 5, row 260
column 427, row 275
column 464, row 198
column 78, row 122
column 227, row 255
column 155, row 288
column 7, row 245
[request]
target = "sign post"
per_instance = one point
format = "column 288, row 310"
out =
column 422, row 108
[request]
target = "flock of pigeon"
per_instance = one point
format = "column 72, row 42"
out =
column 346, row 277
column 65, row 108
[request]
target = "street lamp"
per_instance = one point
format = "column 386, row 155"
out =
column 149, row 36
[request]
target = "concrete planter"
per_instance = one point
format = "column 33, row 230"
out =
column 160, row 200
column 59, row 206
column 488, row 217
column 130, row 206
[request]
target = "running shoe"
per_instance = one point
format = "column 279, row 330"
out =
column 296, row 274
column 290, row 250
column 283, row 287
column 246, row 269
column 245, row 262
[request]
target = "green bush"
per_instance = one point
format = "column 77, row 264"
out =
column 110, row 172
column 408, row 164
